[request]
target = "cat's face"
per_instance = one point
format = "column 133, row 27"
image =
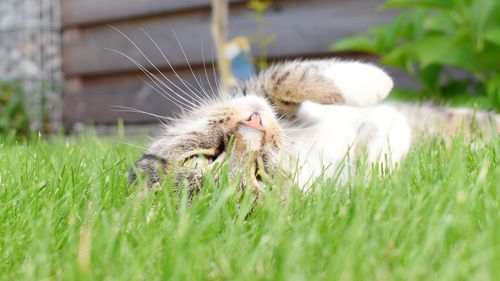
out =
column 243, row 132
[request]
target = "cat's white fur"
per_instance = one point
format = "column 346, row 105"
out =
column 332, row 135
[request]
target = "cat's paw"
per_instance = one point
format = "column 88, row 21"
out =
column 361, row 84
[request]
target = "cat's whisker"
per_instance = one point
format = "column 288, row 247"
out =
column 172, row 95
column 295, row 130
column 121, row 108
column 205, row 67
column 183, row 81
column 203, row 89
column 162, row 119
column 217, row 82
column 195, row 97
column 179, row 103
column 185, row 57
column 153, row 78
column 165, row 124
column 129, row 144
column 149, row 61
column 294, row 143
column 189, row 87
column 293, row 125
column 298, row 119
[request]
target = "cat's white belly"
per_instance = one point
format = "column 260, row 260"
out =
column 329, row 136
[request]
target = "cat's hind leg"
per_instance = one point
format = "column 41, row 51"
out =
column 331, row 81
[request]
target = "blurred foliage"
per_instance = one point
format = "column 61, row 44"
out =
column 262, row 40
column 14, row 121
column 451, row 47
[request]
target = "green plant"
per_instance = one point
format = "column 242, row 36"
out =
column 68, row 213
column 451, row 47
column 13, row 117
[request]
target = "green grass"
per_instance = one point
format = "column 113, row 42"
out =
column 67, row 212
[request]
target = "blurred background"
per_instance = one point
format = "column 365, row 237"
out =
column 72, row 62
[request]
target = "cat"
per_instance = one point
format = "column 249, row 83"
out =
column 304, row 117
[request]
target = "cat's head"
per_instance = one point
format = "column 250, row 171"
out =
column 241, row 131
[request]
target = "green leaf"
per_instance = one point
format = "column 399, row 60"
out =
column 460, row 56
column 492, row 35
column 430, row 75
column 487, row 59
column 493, row 89
column 357, row 43
column 397, row 57
column 387, row 35
column 433, row 36
column 442, row 50
column 479, row 17
column 455, row 87
column 442, row 22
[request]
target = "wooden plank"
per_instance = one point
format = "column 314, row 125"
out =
column 85, row 12
column 304, row 28
column 95, row 100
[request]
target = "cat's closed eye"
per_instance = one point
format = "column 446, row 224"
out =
column 198, row 161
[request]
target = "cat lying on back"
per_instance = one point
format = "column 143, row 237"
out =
column 302, row 117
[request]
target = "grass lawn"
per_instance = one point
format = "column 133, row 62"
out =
column 67, row 212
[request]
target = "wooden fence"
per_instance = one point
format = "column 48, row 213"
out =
column 99, row 78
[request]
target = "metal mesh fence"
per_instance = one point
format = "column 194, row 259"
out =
column 30, row 34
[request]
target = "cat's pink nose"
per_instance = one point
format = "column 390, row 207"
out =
column 254, row 122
